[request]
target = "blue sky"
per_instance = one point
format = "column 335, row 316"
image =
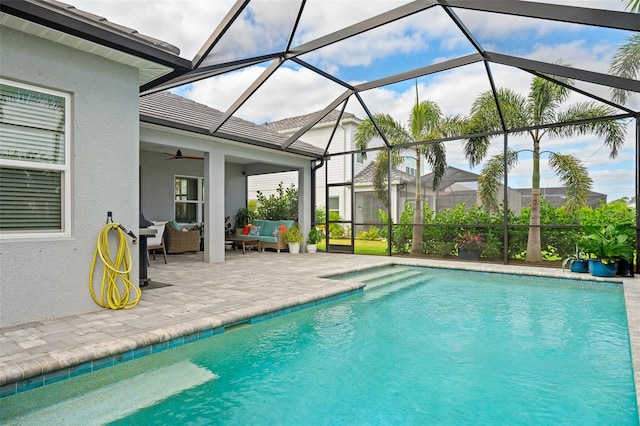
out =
column 423, row 39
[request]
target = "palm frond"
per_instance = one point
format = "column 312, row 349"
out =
column 626, row 63
column 436, row 156
column 574, row 177
column 545, row 97
column 612, row 131
column 633, row 5
column 492, row 176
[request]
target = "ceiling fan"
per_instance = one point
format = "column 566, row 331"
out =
column 178, row 156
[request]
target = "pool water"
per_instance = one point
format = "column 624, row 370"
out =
column 419, row 346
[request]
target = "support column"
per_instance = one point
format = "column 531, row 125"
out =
column 214, row 176
column 305, row 209
column 637, row 192
column 505, row 201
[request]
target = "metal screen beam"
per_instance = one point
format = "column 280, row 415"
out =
column 582, row 92
column 206, row 72
column 335, row 126
column 363, row 26
column 553, row 12
column 564, row 71
column 322, row 73
column 246, row 95
column 220, row 30
column 317, row 118
column 419, row 72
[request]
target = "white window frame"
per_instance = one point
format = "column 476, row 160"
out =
column 65, row 169
column 199, row 201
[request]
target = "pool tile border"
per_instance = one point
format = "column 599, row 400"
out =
column 139, row 352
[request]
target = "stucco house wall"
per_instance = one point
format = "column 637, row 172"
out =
column 43, row 278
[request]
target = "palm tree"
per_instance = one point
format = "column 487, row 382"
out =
column 541, row 106
column 633, row 5
column 426, row 122
column 626, row 61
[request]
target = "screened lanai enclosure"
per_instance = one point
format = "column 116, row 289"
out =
column 512, row 123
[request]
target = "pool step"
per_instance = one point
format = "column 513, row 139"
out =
column 374, row 275
column 406, row 281
column 391, row 276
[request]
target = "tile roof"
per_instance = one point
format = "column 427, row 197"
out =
column 101, row 22
column 301, row 120
column 366, row 175
column 170, row 110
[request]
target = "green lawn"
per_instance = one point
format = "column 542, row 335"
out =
column 378, row 248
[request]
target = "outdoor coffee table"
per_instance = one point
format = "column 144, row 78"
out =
column 244, row 243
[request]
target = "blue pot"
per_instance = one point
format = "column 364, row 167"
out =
column 599, row 269
column 579, row 266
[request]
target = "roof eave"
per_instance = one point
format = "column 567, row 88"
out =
column 40, row 14
column 222, row 135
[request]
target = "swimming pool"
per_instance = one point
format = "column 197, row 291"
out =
column 439, row 347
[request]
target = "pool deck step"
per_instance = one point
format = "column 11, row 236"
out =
column 376, row 274
column 393, row 276
column 407, row 281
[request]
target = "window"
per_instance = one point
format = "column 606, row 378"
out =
column 334, row 204
column 189, row 198
column 34, row 161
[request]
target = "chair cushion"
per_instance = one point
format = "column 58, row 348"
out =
column 156, row 239
column 265, row 239
column 175, row 225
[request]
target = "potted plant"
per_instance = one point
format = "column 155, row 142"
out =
column 577, row 262
column 313, row 238
column 293, row 237
column 606, row 245
column 469, row 245
column 243, row 218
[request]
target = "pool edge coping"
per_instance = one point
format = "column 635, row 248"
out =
column 46, row 370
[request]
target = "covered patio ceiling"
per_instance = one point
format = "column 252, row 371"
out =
column 298, row 44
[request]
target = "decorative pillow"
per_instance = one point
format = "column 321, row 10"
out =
column 175, row 225
column 275, row 232
column 283, row 228
column 247, row 228
column 254, row 231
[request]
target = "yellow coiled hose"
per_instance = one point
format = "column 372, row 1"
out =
column 113, row 296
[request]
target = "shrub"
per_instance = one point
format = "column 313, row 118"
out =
column 280, row 206
column 372, row 234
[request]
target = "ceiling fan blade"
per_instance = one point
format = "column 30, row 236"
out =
column 178, row 156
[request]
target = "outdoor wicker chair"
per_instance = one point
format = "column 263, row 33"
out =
column 181, row 241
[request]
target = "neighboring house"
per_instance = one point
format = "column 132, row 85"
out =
column 456, row 186
column 367, row 202
column 339, row 170
column 556, row 196
column 461, row 186
column 77, row 142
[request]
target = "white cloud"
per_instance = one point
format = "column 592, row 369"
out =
column 295, row 91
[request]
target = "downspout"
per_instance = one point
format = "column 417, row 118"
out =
column 313, row 189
